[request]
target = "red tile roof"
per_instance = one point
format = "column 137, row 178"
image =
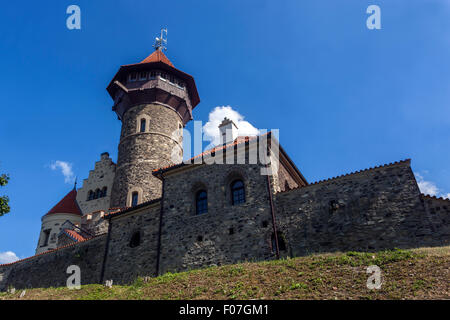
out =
column 74, row 235
column 67, row 205
column 157, row 56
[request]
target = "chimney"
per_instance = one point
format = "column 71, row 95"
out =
column 228, row 131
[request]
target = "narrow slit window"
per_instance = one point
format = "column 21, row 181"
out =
column 143, row 125
column 201, row 202
column 134, row 199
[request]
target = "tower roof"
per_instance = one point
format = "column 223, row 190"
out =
column 67, row 205
column 157, row 56
column 156, row 60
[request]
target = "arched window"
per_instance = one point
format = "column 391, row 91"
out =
column 237, row 192
column 97, row 194
column 201, row 200
column 104, row 191
column 90, row 195
column 135, row 239
column 134, row 199
column 143, row 122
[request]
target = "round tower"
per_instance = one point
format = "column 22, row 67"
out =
column 66, row 209
column 154, row 101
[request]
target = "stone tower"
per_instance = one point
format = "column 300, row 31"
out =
column 154, row 101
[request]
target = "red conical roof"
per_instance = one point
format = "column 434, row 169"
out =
column 67, row 205
column 157, row 56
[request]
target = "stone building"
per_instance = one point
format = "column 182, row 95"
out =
column 243, row 200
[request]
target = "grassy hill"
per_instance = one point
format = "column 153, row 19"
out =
column 406, row 274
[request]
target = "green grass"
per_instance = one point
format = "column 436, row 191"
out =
column 406, row 274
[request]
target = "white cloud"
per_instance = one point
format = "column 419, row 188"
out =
column 211, row 128
column 426, row 187
column 429, row 187
column 8, row 257
column 66, row 170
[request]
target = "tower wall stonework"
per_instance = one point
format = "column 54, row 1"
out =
column 142, row 152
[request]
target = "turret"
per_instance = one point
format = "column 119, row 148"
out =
column 154, row 101
column 66, row 209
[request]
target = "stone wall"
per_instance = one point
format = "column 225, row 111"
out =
column 126, row 261
column 370, row 210
column 226, row 233
column 49, row 269
column 374, row 209
column 438, row 213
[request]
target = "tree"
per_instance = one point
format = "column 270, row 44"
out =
column 4, row 200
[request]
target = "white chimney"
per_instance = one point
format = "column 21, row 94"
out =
column 228, row 131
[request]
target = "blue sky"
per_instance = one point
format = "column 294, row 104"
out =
column 344, row 97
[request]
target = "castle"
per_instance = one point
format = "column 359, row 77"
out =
column 149, row 213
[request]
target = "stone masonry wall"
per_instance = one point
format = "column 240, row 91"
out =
column 226, row 233
column 124, row 263
column 438, row 213
column 141, row 153
column 49, row 269
column 374, row 209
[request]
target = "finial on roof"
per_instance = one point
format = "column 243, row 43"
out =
column 161, row 41
column 75, row 184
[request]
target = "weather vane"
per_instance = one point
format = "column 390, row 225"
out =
column 161, row 41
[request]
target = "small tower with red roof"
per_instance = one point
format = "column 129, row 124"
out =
column 154, row 100
column 66, row 209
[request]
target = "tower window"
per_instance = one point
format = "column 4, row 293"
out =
column 97, row 194
column 143, row 75
column 143, row 123
column 135, row 239
column 237, row 192
column 104, row 191
column 134, row 199
column 201, row 202
column 90, row 195
column 46, row 238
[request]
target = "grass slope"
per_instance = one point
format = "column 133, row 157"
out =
column 406, row 274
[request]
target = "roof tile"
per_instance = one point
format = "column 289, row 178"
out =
column 67, row 205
